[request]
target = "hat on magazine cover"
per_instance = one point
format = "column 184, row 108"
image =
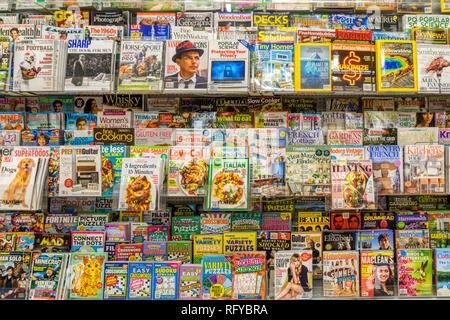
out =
column 185, row 46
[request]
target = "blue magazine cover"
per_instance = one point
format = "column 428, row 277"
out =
column 42, row 138
column 140, row 278
column 315, row 73
column 216, row 277
column 381, row 239
column 115, row 281
column 348, row 21
column 80, row 121
column 154, row 250
column 112, row 156
column 78, row 137
column 165, row 280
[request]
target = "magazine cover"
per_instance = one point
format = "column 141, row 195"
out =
column 270, row 119
column 87, row 104
column 217, row 277
column 309, row 241
column 24, row 241
column 153, row 251
column 129, row 252
column 276, row 221
column 312, row 67
column 90, row 65
column 239, row 241
column 180, row 73
column 345, row 137
column 377, row 273
column 429, row 35
column 166, row 280
column 409, row 21
column 4, row 63
column 71, row 18
column 215, row 223
column 88, row 241
column 414, row 6
column 205, row 245
column 41, row 138
column 187, row 173
column 140, row 66
column 313, row 221
column 44, row 121
column 60, row 223
column 12, row 120
column 78, row 137
column 380, row 136
column 245, row 221
column 115, row 281
column 347, row 152
column 442, row 271
column 268, row 170
column 412, row 239
column 190, row 282
column 111, row 18
column 352, row 67
column 22, row 174
column 179, row 251
column 127, row 102
column 339, row 240
column 352, row 184
column 47, row 275
column 62, row 34
column 406, row 220
column 293, row 275
column 140, row 281
column 432, row 61
column 184, row 228
column 114, row 136
column 249, row 273
column 140, row 184
column 424, row 169
column 308, row 170
column 112, row 157
column 274, row 61
column 80, row 171
column 345, row 220
column 55, row 104
column 14, row 32
column 375, row 239
column 16, row 267
column 7, row 241
column 156, row 25
column 229, row 66
column 35, row 65
column 80, row 121
column 396, row 65
column 378, row 220
column 228, row 184
column 52, row 242
column 341, row 274
column 407, row 136
column 86, row 275
column 92, row 221
column 387, row 163
column 415, row 272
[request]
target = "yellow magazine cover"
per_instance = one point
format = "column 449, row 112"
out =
column 312, row 67
column 207, row 244
column 239, row 242
column 396, row 65
column 445, row 5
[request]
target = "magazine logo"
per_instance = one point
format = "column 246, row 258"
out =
column 432, row 150
column 78, row 44
column 367, row 168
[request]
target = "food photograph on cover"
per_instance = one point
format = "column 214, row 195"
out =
column 197, row 150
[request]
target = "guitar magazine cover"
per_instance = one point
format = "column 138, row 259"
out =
column 433, row 62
